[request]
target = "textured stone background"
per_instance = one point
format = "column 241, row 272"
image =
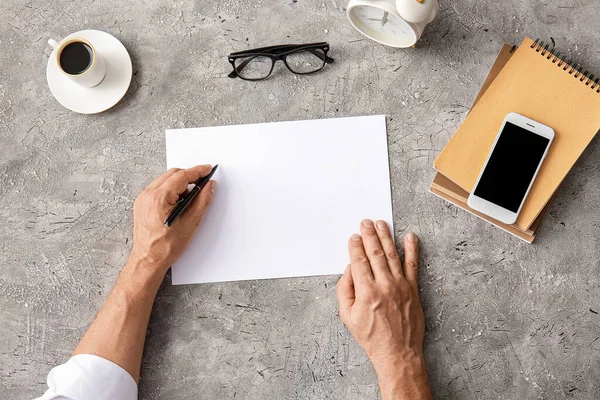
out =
column 505, row 320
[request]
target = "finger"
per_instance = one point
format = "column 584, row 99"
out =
column 389, row 248
column 183, row 177
column 345, row 293
column 198, row 208
column 411, row 259
column 374, row 251
column 160, row 179
column 359, row 263
column 178, row 182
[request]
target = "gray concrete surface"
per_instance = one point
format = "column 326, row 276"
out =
column 505, row 320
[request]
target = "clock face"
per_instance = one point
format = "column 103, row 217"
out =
column 382, row 26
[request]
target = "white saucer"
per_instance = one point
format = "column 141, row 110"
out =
column 108, row 92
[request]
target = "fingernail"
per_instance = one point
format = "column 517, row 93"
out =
column 355, row 237
column 213, row 186
column 368, row 223
column 381, row 225
column 411, row 237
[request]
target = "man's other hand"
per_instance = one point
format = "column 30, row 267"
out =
column 378, row 301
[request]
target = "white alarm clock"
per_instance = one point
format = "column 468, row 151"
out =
column 396, row 23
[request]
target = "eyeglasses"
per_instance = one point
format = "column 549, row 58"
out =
column 257, row 64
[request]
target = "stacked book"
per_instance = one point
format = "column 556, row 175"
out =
column 535, row 81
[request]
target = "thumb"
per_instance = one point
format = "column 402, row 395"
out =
column 345, row 294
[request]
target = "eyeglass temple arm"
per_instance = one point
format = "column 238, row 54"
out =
column 322, row 56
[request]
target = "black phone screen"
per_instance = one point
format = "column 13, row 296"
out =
column 511, row 167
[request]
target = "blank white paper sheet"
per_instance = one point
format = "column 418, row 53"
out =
column 289, row 195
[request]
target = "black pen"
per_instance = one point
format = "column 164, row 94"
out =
column 184, row 202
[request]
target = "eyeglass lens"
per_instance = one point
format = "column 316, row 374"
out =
column 306, row 61
column 253, row 67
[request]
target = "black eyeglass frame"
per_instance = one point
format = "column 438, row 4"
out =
column 279, row 53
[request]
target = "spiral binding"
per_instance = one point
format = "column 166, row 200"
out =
column 573, row 68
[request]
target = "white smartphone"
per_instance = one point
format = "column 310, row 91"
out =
column 510, row 168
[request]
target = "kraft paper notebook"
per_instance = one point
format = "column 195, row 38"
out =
column 449, row 191
column 539, row 84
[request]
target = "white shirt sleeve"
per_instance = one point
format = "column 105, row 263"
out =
column 89, row 377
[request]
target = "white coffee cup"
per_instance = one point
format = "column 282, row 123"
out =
column 77, row 59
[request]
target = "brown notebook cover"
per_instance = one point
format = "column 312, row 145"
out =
column 448, row 190
column 538, row 84
column 508, row 228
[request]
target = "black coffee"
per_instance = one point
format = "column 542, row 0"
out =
column 76, row 58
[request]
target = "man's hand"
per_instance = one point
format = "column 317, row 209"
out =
column 118, row 332
column 154, row 245
column 379, row 303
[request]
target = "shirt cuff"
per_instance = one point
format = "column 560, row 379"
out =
column 89, row 377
